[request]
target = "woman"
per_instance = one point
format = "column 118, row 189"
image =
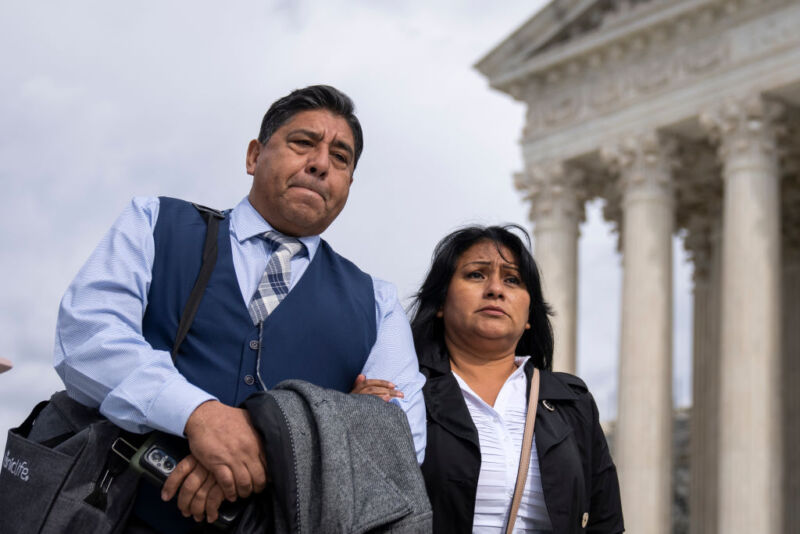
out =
column 480, row 325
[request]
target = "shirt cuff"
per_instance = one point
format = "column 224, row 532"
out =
column 172, row 407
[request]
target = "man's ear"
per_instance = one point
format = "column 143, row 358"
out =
column 253, row 150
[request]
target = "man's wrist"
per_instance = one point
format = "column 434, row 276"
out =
column 196, row 419
column 172, row 407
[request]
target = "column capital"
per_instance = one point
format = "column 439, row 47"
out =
column 702, row 230
column 790, row 225
column 644, row 165
column 744, row 127
column 555, row 190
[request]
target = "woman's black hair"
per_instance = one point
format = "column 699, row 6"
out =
column 428, row 330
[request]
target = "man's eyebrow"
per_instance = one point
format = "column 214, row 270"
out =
column 338, row 143
column 317, row 136
column 310, row 133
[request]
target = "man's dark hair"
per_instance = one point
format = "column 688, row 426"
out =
column 428, row 329
column 309, row 98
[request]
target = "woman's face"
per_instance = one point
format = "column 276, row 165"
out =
column 486, row 306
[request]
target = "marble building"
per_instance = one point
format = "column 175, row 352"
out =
column 684, row 116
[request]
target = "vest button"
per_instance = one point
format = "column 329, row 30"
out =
column 254, row 344
column 248, row 379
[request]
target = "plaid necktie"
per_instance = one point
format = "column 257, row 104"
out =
column 274, row 285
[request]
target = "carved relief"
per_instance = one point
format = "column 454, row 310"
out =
column 608, row 94
column 673, row 53
column 706, row 56
column 621, row 76
column 653, row 73
column 563, row 108
column 768, row 33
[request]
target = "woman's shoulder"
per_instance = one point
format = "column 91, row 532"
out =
column 572, row 381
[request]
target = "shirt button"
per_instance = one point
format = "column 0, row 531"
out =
column 249, row 380
column 254, row 344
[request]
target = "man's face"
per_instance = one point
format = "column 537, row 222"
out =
column 302, row 175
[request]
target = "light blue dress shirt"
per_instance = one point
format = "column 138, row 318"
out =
column 105, row 362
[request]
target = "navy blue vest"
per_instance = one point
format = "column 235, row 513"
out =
column 321, row 332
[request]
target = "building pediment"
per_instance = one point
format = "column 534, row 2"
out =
column 566, row 30
column 548, row 26
column 588, row 69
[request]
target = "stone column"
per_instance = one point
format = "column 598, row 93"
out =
column 791, row 347
column 750, row 478
column 556, row 211
column 703, row 243
column 643, row 440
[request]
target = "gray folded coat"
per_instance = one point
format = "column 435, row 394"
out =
column 337, row 463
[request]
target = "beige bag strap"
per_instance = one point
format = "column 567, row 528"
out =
column 525, row 455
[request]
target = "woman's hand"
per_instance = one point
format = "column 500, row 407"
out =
column 380, row 388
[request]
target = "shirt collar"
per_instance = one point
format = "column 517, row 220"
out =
column 247, row 223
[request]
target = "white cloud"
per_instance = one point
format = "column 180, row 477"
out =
column 102, row 101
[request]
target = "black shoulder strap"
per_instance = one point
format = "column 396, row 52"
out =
column 212, row 218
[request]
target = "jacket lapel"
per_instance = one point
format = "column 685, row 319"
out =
column 551, row 429
column 446, row 406
column 444, row 401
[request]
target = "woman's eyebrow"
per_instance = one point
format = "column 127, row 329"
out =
column 486, row 262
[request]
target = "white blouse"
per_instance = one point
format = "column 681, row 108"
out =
column 500, row 431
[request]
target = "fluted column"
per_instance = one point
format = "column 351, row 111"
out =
column 643, row 440
column 791, row 347
column 556, row 211
column 750, row 479
column 703, row 243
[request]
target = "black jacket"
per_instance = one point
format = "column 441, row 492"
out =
column 579, row 478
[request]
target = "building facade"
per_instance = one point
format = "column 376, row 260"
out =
column 684, row 116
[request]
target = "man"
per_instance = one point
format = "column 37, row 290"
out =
column 336, row 326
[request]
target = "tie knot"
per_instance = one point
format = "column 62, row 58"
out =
column 290, row 244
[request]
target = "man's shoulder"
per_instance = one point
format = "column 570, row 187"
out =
column 339, row 260
column 184, row 206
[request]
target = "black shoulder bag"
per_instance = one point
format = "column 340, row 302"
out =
column 59, row 474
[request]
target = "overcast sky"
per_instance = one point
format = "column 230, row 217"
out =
column 101, row 101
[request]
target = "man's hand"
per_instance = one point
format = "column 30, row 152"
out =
column 380, row 388
column 223, row 440
column 200, row 496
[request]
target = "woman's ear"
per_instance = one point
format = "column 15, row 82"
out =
column 440, row 313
